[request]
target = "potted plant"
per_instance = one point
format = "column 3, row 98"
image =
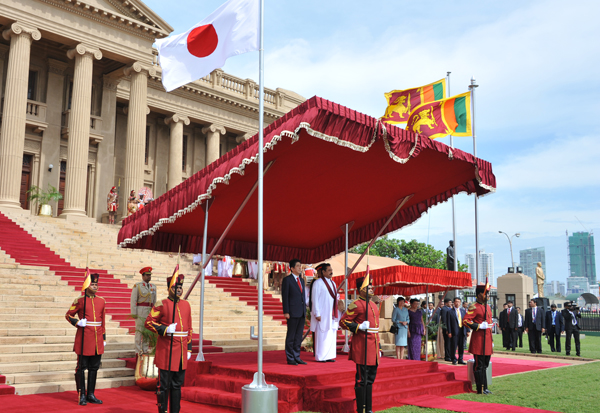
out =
column 44, row 198
column 146, row 373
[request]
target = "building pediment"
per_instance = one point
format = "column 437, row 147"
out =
column 130, row 15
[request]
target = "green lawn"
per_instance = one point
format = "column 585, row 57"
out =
column 590, row 346
column 571, row 389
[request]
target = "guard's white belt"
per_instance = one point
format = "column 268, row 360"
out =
column 94, row 323
column 178, row 334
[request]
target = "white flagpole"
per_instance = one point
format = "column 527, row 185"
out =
column 261, row 107
column 453, row 213
column 472, row 87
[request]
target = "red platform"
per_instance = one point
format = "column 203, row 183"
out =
column 322, row 387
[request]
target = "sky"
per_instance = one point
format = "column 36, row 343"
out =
column 536, row 117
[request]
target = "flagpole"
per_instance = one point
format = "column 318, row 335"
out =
column 453, row 211
column 259, row 396
column 472, row 87
column 261, row 115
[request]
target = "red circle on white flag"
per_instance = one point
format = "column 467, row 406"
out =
column 202, row 41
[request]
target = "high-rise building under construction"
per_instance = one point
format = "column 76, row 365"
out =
column 582, row 257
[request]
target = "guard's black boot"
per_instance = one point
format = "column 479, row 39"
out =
column 80, row 382
column 175, row 401
column 91, row 398
column 478, row 382
column 359, row 392
column 369, row 401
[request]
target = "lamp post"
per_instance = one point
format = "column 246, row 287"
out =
column 512, row 259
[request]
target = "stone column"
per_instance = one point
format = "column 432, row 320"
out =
column 136, row 127
column 12, row 134
column 213, row 139
column 176, row 149
column 105, row 163
column 79, row 130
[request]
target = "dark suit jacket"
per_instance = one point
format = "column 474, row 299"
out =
column 452, row 321
column 443, row 317
column 512, row 318
column 503, row 319
column 293, row 299
column 540, row 319
column 559, row 321
column 568, row 319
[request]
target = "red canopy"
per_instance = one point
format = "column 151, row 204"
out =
column 332, row 165
column 406, row 280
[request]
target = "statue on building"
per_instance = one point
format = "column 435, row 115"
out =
column 450, row 256
column 112, row 204
column 541, row 278
column 132, row 203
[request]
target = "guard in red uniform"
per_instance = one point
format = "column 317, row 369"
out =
column 179, row 332
column 480, row 323
column 355, row 321
column 93, row 325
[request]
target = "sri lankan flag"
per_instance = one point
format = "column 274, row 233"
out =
column 87, row 281
column 451, row 116
column 174, row 277
column 402, row 102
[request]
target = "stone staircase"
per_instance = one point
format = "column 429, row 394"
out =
column 45, row 360
column 36, row 342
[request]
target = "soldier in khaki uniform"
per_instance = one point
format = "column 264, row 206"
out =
column 143, row 299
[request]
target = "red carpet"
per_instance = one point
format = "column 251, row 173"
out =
column 468, row 406
column 503, row 366
column 123, row 399
column 215, row 387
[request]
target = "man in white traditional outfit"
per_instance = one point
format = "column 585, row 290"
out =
column 325, row 314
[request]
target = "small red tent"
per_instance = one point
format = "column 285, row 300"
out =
column 406, row 280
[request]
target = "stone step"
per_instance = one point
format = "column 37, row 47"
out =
column 50, row 348
column 66, row 365
column 60, row 356
column 66, row 338
column 69, row 385
column 60, row 331
column 53, row 376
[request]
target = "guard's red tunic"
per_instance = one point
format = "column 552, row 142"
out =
column 474, row 317
column 95, row 330
column 158, row 320
column 352, row 318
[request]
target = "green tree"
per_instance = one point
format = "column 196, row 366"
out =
column 416, row 254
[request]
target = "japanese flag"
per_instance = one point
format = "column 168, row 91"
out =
column 230, row 30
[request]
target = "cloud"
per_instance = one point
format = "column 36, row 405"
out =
column 519, row 58
column 568, row 162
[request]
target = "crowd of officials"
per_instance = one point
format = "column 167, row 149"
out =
column 411, row 321
column 409, row 318
column 537, row 323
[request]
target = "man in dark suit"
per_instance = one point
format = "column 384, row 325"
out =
column 571, row 318
column 520, row 324
column 503, row 324
column 535, row 325
column 512, row 321
column 457, row 331
column 447, row 341
column 293, row 298
column 554, row 326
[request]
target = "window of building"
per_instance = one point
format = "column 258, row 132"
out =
column 510, row 297
column 184, row 158
column 32, row 85
column 147, row 150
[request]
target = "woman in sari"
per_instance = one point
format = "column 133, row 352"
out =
column 415, row 330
